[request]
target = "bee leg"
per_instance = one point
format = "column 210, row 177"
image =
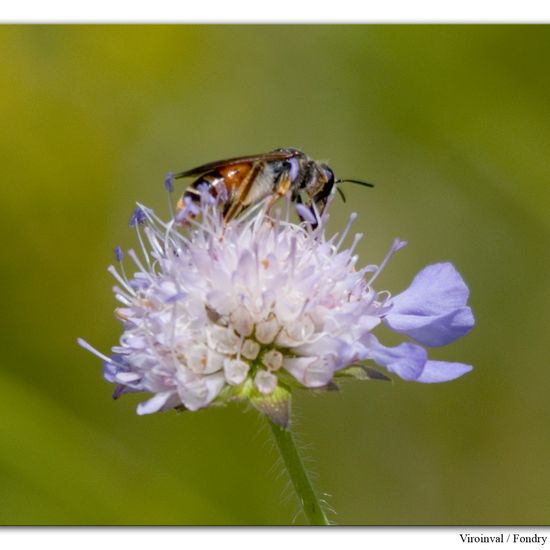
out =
column 272, row 200
column 281, row 190
column 283, row 186
column 232, row 210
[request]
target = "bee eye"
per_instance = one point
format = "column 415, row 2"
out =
column 328, row 173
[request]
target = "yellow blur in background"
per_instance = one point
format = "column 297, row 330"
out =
column 452, row 124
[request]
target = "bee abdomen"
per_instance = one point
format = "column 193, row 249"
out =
column 207, row 183
column 188, row 203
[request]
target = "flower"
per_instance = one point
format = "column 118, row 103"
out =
column 251, row 308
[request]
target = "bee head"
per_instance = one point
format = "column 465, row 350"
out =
column 326, row 184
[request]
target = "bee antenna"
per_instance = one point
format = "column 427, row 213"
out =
column 358, row 182
column 341, row 193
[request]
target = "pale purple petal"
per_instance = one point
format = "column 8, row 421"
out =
column 432, row 330
column 198, row 393
column 127, row 377
column 327, row 346
column 406, row 360
column 306, row 214
column 235, row 371
column 159, row 402
column 297, row 366
column 265, row 381
column 433, row 309
column 441, row 371
column 319, row 373
column 247, row 271
column 310, row 371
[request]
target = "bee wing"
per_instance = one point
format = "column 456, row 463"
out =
column 280, row 154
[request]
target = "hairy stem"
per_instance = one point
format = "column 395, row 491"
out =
column 298, row 475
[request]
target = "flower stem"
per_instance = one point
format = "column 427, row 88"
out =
column 298, row 475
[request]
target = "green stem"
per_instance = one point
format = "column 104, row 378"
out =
column 298, row 475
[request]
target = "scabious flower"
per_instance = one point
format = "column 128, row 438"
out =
column 255, row 307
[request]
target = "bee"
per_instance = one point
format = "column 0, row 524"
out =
column 244, row 181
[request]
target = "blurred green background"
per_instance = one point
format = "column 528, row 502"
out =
column 452, row 123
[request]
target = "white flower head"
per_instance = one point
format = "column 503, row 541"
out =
column 251, row 308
